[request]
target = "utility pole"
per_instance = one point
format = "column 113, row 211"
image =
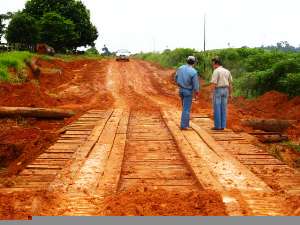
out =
column 204, row 42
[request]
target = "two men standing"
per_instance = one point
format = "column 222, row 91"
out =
column 188, row 82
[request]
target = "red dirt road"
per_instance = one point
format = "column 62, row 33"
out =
column 140, row 88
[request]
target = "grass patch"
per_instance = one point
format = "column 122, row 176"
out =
column 295, row 147
column 4, row 76
column 13, row 60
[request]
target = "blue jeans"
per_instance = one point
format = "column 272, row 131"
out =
column 220, row 107
column 186, row 100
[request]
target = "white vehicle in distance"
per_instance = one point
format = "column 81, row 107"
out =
column 123, row 54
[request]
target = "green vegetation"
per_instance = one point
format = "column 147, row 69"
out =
column 57, row 31
column 69, row 58
column 255, row 70
column 295, row 147
column 15, row 61
column 92, row 52
column 62, row 24
column 23, row 29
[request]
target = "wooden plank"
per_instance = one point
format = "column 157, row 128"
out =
column 179, row 188
column 31, row 184
column 66, row 141
column 261, row 162
column 74, row 136
column 180, row 173
column 67, row 151
column 155, row 162
column 152, row 157
column 39, row 172
column 158, row 182
column 153, row 166
column 67, row 175
column 68, row 146
column 236, row 168
column 38, row 167
column 79, row 129
column 77, row 132
column 200, row 169
column 255, row 156
column 55, row 156
column 36, row 178
column 94, row 166
column 49, row 162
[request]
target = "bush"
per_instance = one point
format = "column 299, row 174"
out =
column 286, row 66
column 254, row 70
column 290, row 84
column 92, row 51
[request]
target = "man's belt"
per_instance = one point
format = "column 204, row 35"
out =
column 222, row 87
column 190, row 89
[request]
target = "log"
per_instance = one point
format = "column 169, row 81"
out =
column 273, row 138
column 50, row 113
column 269, row 125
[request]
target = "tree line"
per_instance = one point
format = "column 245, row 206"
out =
column 255, row 70
column 63, row 24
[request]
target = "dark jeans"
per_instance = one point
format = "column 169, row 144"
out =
column 186, row 100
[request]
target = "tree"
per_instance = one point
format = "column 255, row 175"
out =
column 22, row 29
column 57, row 31
column 92, row 51
column 70, row 9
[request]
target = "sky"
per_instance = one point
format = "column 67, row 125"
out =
column 144, row 25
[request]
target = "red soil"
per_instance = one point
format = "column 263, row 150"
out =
column 272, row 105
column 144, row 202
column 12, row 205
column 77, row 85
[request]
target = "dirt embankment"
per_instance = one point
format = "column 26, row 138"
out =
column 273, row 105
column 77, row 85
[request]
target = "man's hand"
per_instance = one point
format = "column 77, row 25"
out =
column 230, row 93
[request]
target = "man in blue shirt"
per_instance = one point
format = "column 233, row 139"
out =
column 188, row 83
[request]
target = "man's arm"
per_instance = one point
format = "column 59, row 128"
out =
column 175, row 77
column 214, row 82
column 196, row 85
column 230, row 86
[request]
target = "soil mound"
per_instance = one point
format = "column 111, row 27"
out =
column 147, row 202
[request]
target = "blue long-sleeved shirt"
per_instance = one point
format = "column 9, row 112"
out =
column 187, row 77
